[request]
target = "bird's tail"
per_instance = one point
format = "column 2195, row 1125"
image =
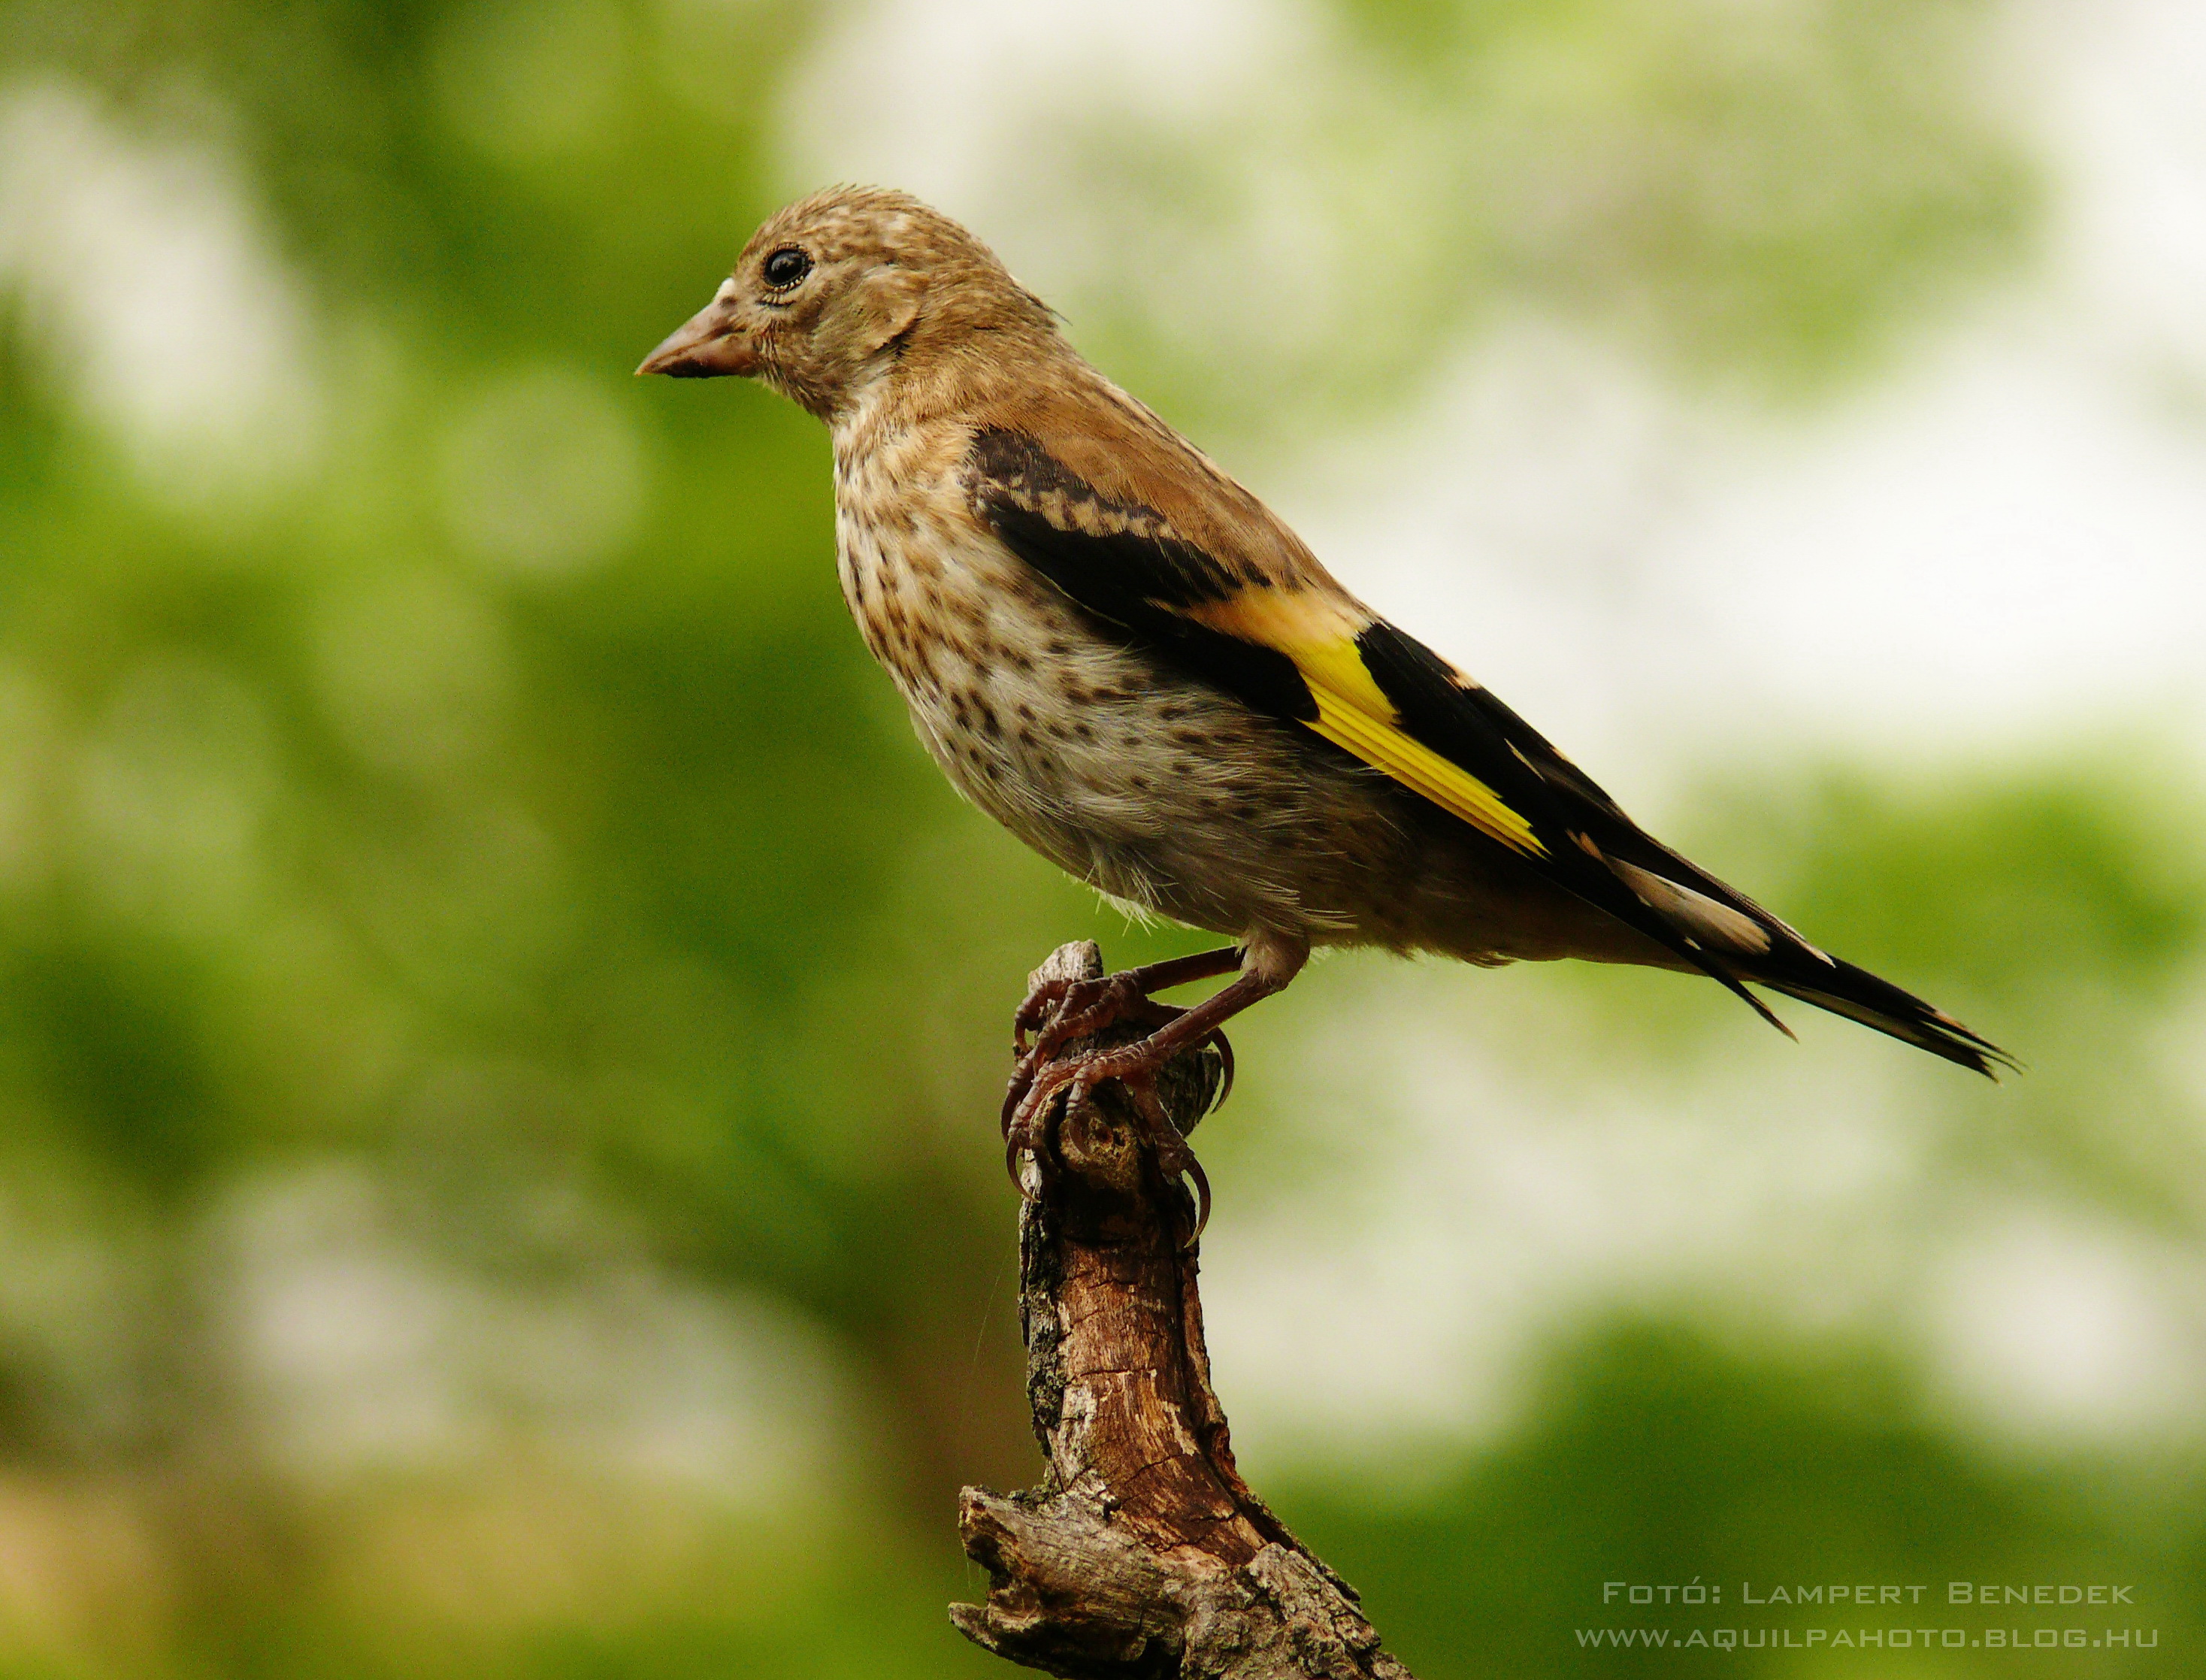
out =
column 1856, row 993
column 1721, row 930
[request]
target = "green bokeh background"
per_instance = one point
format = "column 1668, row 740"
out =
column 574, row 930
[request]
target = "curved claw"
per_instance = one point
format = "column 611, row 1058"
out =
column 1225, row 1049
column 1193, row 1169
column 1173, row 1156
column 1015, row 1095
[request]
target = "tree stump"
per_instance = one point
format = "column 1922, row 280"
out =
column 1143, row 1552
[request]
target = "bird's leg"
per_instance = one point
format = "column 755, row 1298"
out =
column 1059, row 999
column 1135, row 1067
column 1058, row 1011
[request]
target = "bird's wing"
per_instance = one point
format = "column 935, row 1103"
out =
column 1305, row 652
column 1289, row 642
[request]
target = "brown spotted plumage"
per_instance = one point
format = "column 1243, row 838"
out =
column 1121, row 654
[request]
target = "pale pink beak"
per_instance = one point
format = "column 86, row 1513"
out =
column 709, row 345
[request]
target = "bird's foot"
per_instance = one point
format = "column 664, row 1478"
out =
column 1057, row 1011
column 1034, row 1120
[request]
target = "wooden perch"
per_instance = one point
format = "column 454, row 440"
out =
column 1143, row 1552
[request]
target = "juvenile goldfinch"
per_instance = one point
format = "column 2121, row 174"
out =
column 1122, row 655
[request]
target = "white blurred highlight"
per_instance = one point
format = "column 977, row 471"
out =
column 1499, row 1203
column 959, row 100
column 1996, row 545
column 2044, row 1325
column 155, row 297
column 367, row 1353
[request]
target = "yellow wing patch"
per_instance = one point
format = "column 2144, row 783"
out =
column 1381, row 742
column 1353, row 712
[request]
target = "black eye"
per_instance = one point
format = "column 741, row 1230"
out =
column 785, row 267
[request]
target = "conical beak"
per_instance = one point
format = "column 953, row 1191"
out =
column 709, row 345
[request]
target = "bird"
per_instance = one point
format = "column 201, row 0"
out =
column 1117, row 652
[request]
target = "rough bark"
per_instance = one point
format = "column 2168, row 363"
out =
column 1143, row 1552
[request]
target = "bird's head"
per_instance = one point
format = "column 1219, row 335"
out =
column 842, row 290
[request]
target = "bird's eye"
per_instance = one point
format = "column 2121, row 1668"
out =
column 785, row 267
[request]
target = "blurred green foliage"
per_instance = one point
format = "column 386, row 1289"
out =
column 460, row 794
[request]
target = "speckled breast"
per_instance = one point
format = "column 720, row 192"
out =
column 1153, row 789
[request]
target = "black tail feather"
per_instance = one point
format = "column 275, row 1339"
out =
column 1859, row 995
